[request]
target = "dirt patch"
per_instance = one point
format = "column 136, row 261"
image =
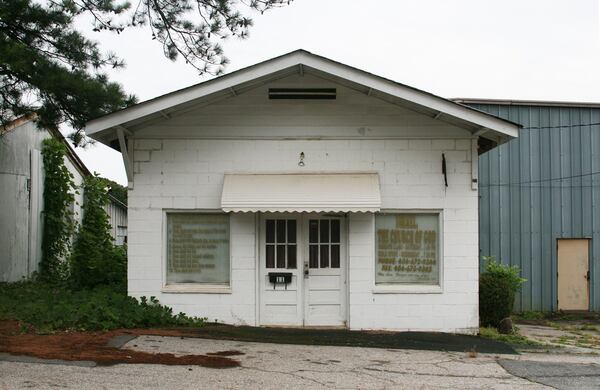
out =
column 9, row 327
column 226, row 353
column 93, row 346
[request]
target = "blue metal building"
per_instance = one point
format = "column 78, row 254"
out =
column 539, row 189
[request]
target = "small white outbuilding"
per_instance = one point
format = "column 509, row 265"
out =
column 304, row 192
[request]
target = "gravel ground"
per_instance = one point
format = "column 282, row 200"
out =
column 275, row 366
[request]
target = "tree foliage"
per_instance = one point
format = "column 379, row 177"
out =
column 95, row 259
column 116, row 190
column 50, row 68
column 58, row 219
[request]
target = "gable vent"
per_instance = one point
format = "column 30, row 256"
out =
column 302, row 93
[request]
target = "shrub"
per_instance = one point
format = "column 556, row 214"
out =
column 49, row 307
column 498, row 285
column 95, row 259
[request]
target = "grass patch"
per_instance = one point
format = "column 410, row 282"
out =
column 50, row 307
column 555, row 316
column 515, row 338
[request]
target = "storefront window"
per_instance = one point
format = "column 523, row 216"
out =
column 197, row 248
column 407, row 248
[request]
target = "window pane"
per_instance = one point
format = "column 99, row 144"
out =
column 335, row 230
column 291, row 230
column 335, row 256
column 324, row 256
column 313, row 230
column 197, row 248
column 324, row 230
column 280, row 256
column 280, row 231
column 291, row 256
column 270, row 237
column 313, row 256
column 407, row 248
column 270, row 256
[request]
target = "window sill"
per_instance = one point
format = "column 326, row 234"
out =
column 196, row 289
column 407, row 289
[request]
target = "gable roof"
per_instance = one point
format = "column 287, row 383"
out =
column 104, row 128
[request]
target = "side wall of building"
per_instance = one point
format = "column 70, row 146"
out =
column 21, row 192
column 117, row 215
column 538, row 188
column 20, row 162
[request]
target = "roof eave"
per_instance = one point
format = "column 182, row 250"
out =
column 484, row 121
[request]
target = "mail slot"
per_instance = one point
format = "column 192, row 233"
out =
column 280, row 278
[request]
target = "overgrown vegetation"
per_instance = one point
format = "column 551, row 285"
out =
column 82, row 282
column 55, row 306
column 96, row 260
column 58, row 221
column 498, row 285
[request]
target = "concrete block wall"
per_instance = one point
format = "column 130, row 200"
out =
column 171, row 174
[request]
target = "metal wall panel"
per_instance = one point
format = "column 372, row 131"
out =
column 540, row 187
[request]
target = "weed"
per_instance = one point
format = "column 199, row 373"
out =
column 514, row 338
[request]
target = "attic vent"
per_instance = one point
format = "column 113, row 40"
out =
column 302, row 93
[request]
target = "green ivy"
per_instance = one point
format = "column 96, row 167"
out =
column 95, row 259
column 58, row 219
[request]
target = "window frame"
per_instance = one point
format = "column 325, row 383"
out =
column 204, row 288
column 410, row 288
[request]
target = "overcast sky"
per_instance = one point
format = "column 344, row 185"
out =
column 508, row 49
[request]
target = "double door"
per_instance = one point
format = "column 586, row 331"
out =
column 302, row 270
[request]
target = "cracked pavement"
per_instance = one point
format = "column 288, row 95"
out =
column 281, row 366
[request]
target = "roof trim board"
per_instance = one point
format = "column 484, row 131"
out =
column 514, row 102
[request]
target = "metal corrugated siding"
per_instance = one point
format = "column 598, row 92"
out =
column 537, row 188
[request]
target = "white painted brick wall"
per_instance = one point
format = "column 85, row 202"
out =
column 188, row 174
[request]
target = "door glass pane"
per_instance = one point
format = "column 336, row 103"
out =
column 270, row 254
column 324, row 230
column 280, row 256
column 270, row 231
column 291, row 231
column 335, row 230
column 280, row 231
column 291, row 256
column 313, row 256
column 335, row 256
column 313, row 231
column 324, row 256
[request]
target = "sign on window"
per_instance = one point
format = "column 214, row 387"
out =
column 407, row 249
column 197, row 248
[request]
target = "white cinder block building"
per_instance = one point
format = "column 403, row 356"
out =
column 304, row 192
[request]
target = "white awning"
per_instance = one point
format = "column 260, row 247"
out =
column 340, row 192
